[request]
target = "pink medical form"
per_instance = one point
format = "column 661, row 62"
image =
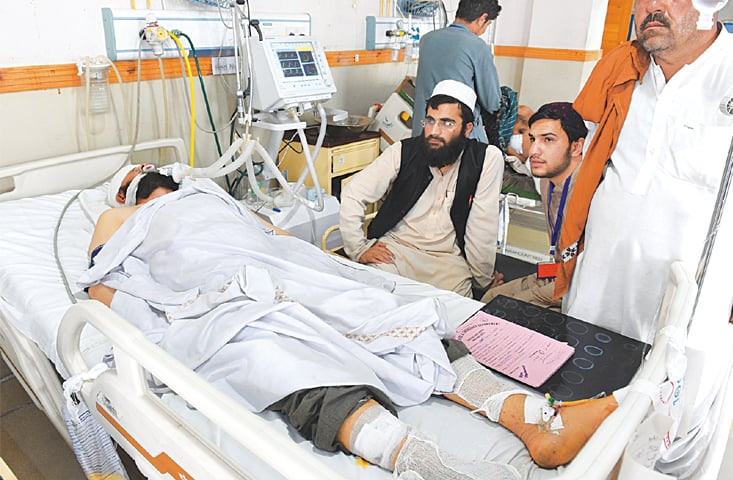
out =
column 516, row 351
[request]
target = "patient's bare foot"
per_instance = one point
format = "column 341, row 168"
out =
column 552, row 448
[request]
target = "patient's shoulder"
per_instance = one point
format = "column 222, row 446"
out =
column 115, row 216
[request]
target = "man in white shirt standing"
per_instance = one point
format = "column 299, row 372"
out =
column 648, row 185
column 439, row 193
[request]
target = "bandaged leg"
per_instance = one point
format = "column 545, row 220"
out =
column 479, row 389
column 421, row 460
column 553, row 436
column 375, row 434
column 382, row 439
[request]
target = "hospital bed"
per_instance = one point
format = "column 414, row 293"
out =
column 48, row 331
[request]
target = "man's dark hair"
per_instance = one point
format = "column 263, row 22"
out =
column 437, row 100
column 470, row 10
column 150, row 181
column 570, row 120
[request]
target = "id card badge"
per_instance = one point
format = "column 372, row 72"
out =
column 547, row 269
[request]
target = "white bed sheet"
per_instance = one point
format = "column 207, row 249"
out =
column 34, row 298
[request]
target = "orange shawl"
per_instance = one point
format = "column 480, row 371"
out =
column 604, row 100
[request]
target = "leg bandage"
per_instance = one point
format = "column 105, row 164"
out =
column 420, row 460
column 377, row 436
column 479, row 387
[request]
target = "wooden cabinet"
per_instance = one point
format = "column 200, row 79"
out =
column 338, row 159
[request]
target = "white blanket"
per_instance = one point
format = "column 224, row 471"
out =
column 262, row 316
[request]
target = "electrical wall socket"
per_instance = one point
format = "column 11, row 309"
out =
column 223, row 65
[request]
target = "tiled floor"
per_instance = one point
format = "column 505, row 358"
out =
column 29, row 445
column 34, row 450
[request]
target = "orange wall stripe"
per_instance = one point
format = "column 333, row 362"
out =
column 547, row 53
column 350, row 58
column 44, row 77
column 163, row 463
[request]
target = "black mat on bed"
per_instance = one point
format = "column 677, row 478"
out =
column 603, row 360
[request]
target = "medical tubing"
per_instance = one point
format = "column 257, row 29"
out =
column 717, row 215
column 136, row 125
column 203, row 92
column 233, row 165
column 250, row 76
column 318, row 206
column 221, row 17
column 310, row 157
column 193, row 100
column 125, row 110
column 165, row 97
column 321, row 132
column 60, row 267
column 224, row 164
column 88, row 81
column 237, row 54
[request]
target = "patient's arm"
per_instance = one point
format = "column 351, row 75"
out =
column 278, row 231
column 102, row 293
column 109, row 222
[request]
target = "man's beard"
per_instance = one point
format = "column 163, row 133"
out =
column 560, row 168
column 445, row 155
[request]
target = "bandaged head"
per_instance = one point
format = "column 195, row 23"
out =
column 124, row 184
column 515, row 141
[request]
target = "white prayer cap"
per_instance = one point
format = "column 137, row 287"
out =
column 116, row 183
column 460, row 91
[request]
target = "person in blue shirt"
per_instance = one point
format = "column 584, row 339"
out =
column 457, row 53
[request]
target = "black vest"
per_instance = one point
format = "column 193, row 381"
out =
column 415, row 176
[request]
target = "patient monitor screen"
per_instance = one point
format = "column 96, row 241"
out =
column 289, row 71
column 297, row 62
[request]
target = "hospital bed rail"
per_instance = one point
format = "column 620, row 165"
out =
column 121, row 401
column 601, row 453
column 133, row 353
column 57, row 174
column 28, row 363
column 37, row 374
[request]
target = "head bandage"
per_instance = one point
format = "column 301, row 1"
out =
column 460, row 91
column 116, row 183
column 131, row 194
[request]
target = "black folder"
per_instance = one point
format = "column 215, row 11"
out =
column 603, row 361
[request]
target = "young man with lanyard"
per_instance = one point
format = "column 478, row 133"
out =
column 557, row 135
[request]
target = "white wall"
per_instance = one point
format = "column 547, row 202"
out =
column 51, row 31
column 46, row 32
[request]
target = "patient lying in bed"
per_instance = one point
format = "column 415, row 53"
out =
column 279, row 325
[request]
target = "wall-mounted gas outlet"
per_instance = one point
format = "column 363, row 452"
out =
column 390, row 32
column 204, row 27
column 223, row 65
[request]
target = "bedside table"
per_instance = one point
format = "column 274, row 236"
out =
column 339, row 158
